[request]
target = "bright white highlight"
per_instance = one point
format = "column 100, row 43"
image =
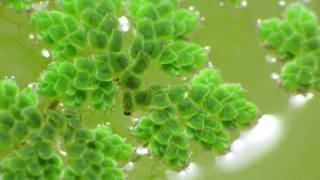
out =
column 129, row 166
column 282, row 3
column 258, row 22
column 243, row 4
column 31, row 36
column 142, row 150
column 207, row 49
column 191, row 8
column 58, row 145
column 134, row 120
column 45, row 53
column 40, row 6
column 210, row 65
column 251, row 144
column 269, row 58
column 124, row 24
column 32, row 85
column 300, row 100
column 190, row 173
column 275, row 76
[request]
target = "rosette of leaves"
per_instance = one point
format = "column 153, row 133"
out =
column 296, row 40
column 162, row 27
column 19, row 116
column 203, row 110
column 80, row 27
column 86, row 80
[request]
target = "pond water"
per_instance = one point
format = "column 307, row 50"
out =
column 283, row 146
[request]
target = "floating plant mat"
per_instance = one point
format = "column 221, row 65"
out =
column 232, row 35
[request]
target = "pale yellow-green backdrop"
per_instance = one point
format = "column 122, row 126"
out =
column 236, row 52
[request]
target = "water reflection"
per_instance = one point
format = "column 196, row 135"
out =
column 252, row 144
column 299, row 100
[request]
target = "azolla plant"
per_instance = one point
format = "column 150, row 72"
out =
column 30, row 136
column 95, row 60
column 296, row 41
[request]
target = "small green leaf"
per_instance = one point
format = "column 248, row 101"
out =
column 119, row 62
column 33, row 117
column 97, row 39
column 44, row 150
column 130, row 80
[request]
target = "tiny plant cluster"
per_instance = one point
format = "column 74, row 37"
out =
column 31, row 137
column 202, row 110
column 295, row 38
column 93, row 62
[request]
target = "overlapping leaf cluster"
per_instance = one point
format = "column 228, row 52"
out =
column 165, row 136
column 96, row 39
column 90, row 63
column 36, row 141
column 203, row 110
column 296, row 39
column 77, row 82
column 94, row 154
column 37, row 161
column 19, row 116
column 161, row 29
column 81, row 27
column 92, row 45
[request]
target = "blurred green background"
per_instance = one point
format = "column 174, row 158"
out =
column 236, row 52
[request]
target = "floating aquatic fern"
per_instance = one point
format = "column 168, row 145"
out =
column 163, row 26
column 76, row 82
column 92, row 63
column 19, row 116
column 34, row 135
column 94, row 154
column 31, row 162
column 79, row 27
column 202, row 110
column 296, row 40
